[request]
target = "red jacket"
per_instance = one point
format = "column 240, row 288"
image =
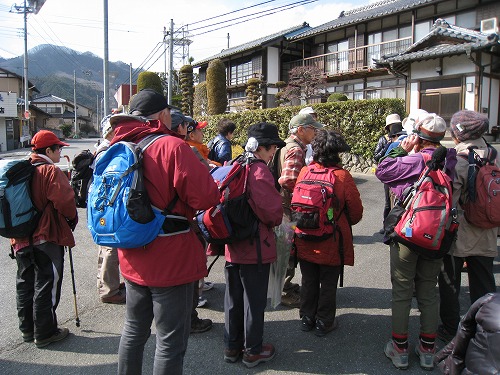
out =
column 51, row 193
column 170, row 167
column 327, row 252
column 266, row 204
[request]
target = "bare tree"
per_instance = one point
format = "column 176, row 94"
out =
column 305, row 82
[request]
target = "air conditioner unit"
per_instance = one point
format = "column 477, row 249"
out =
column 489, row 26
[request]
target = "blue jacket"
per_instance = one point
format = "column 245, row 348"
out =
column 220, row 150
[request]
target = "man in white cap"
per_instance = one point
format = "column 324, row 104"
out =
column 309, row 151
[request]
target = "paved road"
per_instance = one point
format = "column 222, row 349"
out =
column 355, row 348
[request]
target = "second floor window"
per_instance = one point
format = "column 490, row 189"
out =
column 241, row 73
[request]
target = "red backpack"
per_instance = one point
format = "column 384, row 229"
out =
column 314, row 204
column 482, row 207
column 428, row 224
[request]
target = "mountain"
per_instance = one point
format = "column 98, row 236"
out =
column 50, row 69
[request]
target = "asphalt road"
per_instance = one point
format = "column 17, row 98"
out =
column 356, row 347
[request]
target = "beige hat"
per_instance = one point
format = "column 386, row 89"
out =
column 431, row 128
column 392, row 119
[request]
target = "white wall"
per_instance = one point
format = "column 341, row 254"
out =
column 485, row 94
column 3, row 134
column 469, row 100
column 273, row 64
column 414, row 97
column 457, row 65
column 495, row 92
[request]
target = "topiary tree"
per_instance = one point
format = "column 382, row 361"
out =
column 254, row 94
column 187, row 89
column 200, row 101
column 149, row 80
column 305, row 82
column 337, row 97
column 216, row 87
column 279, row 100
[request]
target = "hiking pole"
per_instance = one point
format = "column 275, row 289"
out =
column 77, row 319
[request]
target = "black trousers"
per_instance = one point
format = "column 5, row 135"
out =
column 244, row 304
column 318, row 291
column 387, row 204
column 38, row 286
column 481, row 281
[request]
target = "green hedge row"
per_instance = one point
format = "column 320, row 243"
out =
column 360, row 121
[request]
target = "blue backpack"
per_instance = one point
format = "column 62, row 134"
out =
column 119, row 212
column 18, row 215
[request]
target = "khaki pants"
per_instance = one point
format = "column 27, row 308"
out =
column 410, row 270
column 108, row 272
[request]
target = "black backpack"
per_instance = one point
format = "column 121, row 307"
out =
column 81, row 176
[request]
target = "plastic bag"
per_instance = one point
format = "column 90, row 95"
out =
column 284, row 238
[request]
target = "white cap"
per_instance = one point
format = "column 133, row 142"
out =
column 307, row 110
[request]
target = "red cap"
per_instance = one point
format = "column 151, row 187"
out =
column 202, row 124
column 44, row 139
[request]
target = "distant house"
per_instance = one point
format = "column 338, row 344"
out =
column 388, row 49
column 14, row 131
column 122, row 95
column 62, row 112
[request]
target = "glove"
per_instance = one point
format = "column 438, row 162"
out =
column 72, row 223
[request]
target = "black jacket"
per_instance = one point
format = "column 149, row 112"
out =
column 475, row 349
column 381, row 147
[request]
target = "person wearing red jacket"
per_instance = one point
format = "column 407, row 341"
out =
column 40, row 259
column 160, row 276
column 246, row 271
column 320, row 262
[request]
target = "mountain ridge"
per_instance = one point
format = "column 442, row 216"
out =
column 51, row 69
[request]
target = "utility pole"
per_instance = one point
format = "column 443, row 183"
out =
column 171, row 62
column 228, row 40
column 74, row 100
column 106, row 61
column 34, row 7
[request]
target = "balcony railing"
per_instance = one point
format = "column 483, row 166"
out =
column 354, row 59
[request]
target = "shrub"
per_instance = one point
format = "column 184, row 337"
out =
column 149, row 80
column 200, row 102
column 337, row 97
column 67, row 129
column 216, row 87
column 254, row 94
column 187, row 89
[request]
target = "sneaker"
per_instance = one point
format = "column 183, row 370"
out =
column 232, row 355
column 28, row 336
column 60, row 334
column 444, row 335
column 202, row 301
column 322, row 329
column 291, row 299
column 207, row 285
column 200, row 325
column 426, row 356
column 306, row 323
column 399, row 357
column 118, row 299
column 267, row 353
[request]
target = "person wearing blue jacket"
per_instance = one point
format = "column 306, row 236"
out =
column 220, row 146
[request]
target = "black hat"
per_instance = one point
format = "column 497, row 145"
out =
column 147, row 102
column 396, row 130
column 177, row 119
column 266, row 134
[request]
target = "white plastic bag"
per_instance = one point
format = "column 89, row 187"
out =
column 284, row 237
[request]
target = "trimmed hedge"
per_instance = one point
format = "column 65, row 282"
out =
column 361, row 122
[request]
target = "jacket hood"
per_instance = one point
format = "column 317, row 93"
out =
column 133, row 130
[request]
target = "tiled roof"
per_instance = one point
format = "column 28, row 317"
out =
column 443, row 40
column 48, row 99
column 288, row 33
column 375, row 10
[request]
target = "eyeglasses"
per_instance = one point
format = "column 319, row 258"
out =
column 315, row 130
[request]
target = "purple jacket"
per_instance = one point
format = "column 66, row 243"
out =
column 403, row 171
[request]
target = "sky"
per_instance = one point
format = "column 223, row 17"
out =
column 136, row 28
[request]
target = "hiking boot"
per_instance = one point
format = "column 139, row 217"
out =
column 291, row 299
column 266, row 354
column 28, row 336
column 200, row 325
column 118, row 299
column 399, row 357
column 426, row 356
column 444, row 335
column 306, row 323
column 322, row 329
column 232, row 355
column 60, row 334
column 202, row 301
